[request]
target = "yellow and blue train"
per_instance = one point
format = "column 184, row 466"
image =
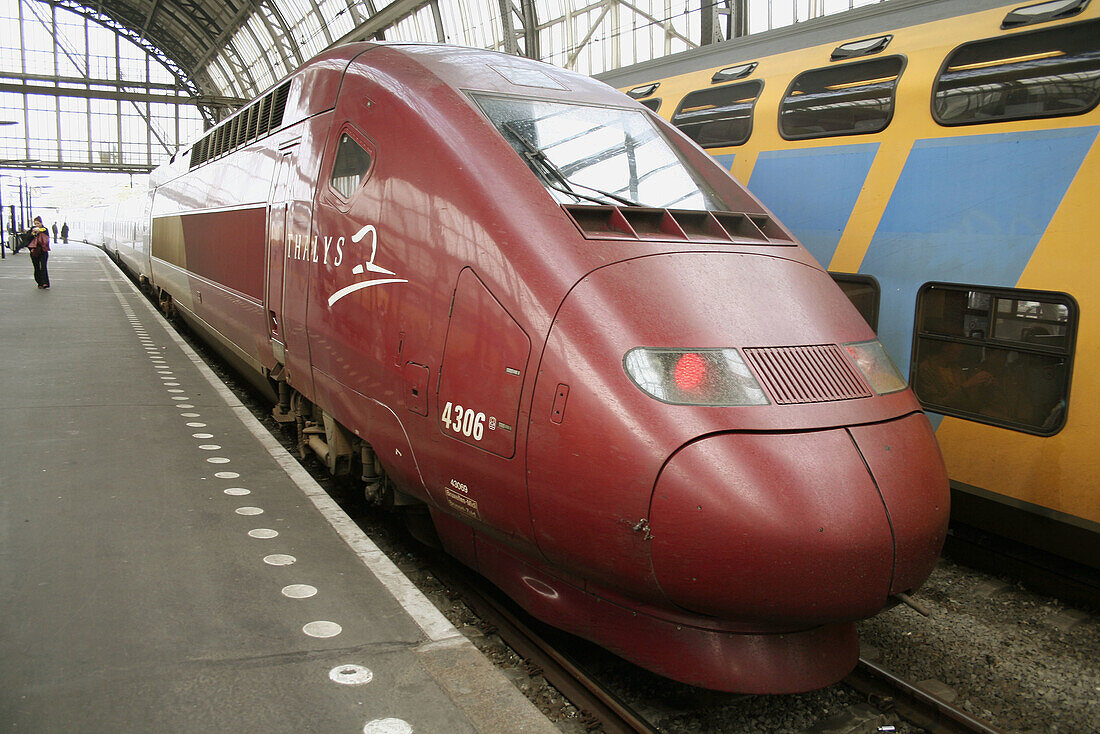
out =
column 940, row 158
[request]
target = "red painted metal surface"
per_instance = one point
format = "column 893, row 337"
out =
column 776, row 532
column 730, row 547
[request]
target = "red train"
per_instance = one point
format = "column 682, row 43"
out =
column 511, row 295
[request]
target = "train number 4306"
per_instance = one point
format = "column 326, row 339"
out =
column 463, row 421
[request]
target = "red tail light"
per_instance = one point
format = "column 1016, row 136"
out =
column 694, row 377
column 691, row 371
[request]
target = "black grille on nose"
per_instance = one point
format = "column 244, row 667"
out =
column 810, row 374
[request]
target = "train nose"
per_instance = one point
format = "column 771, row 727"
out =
column 782, row 531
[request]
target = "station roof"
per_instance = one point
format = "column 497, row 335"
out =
column 234, row 49
column 120, row 85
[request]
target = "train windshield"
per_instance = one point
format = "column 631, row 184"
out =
column 598, row 155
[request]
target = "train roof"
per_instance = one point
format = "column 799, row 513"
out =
column 836, row 28
column 466, row 68
column 312, row 87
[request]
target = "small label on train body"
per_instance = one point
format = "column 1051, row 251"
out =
column 329, row 251
column 462, row 503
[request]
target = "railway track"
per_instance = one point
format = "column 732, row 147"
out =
column 886, row 691
column 604, row 710
column 601, row 709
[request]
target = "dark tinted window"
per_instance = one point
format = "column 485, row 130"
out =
column 863, row 291
column 995, row 356
column 352, row 163
column 654, row 103
column 849, row 99
column 1039, row 74
column 719, row 117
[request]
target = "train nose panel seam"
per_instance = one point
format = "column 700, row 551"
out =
column 885, row 510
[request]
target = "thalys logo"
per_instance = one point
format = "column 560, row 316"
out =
column 319, row 249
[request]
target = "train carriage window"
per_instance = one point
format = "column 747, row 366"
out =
column 1043, row 12
column 653, row 103
column 719, row 117
column 1046, row 73
column 864, row 293
column 996, row 356
column 351, row 165
column 851, row 99
column 643, row 91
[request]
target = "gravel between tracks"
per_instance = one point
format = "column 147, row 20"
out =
column 1023, row 662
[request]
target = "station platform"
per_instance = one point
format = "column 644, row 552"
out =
column 165, row 566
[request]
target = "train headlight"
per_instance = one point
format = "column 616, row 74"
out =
column 694, row 376
column 876, row 366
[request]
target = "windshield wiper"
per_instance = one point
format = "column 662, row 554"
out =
column 538, row 155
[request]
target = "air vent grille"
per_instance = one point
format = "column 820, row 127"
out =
column 810, row 374
column 598, row 222
column 249, row 124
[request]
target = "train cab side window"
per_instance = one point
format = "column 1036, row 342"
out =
column 351, row 165
column 1046, row 73
column 850, row 99
column 996, row 356
column 864, row 293
column 653, row 103
column 719, row 117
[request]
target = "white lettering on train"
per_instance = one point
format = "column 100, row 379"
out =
column 317, row 251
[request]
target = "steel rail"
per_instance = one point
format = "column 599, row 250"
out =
column 913, row 703
column 585, row 693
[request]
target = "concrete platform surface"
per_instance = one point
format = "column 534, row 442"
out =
column 166, row 567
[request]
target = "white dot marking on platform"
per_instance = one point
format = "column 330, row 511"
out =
column 263, row 533
column 321, row 628
column 388, row 726
column 249, row 511
column 351, row 675
column 226, row 475
column 196, row 424
column 183, row 405
column 237, row 491
column 201, row 435
column 299, row 591
column 218, row 460
column 279, row 559
column 176, row 389
column 180, row 397
column 191, row 415
column 209, row 446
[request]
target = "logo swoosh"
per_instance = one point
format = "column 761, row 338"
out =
column 360, row 286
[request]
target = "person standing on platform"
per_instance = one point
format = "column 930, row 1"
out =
column 65, row 233
column 40, row 252
column 55, row 231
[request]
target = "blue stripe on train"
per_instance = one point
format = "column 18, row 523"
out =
column 726, row 160
column 967, row 210
column 813, row 191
